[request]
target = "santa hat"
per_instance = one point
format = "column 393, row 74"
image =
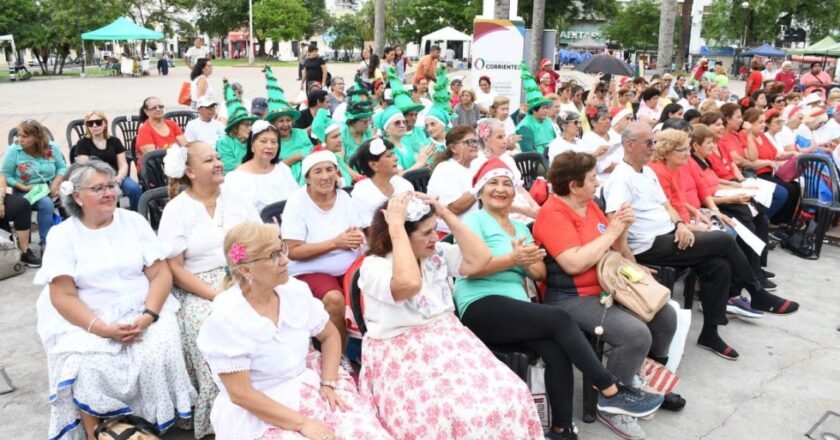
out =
column 494, row 167
column 619, row 113
column 770, row 114
column 319, row 154
column 544, row 62
column 791, row 110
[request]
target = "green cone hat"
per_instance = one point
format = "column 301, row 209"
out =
column 236, row 111
column 401, row 96
column 323, row 124
column 442, row 94
column 359, row 105
column 533, row 93
column 277, row 104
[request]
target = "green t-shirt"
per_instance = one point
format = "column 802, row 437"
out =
column 298, row 142
column 415, row 139
column 231, row 151
column 350, row 146
column 536, row 135
column 509, row 283
column 405, row 154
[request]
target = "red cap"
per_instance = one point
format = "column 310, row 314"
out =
column 544, row 62
column 769, row 114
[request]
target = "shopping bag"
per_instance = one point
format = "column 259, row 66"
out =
column 675, row 352
column 657, row 378
column 536, row 378
column 184, row 96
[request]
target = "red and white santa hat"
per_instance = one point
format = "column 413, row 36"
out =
column 319, row 154
column 619, row 113
column 494, row 167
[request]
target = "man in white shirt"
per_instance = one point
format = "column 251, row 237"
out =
column 449, row 57
column 691, row 100
column 206, row 128
column 194, row 53
column 830, row 132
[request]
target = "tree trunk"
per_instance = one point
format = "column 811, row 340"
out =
column 685, row 34
column 667, row 12
column 537, row 28
column 261, row 52
column 379, row 27
column 502, row 11
column 42, row 60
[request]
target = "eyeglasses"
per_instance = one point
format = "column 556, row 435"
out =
column 275, row 256
column 469, row 142
column 399, row 123
column 156, row 107
column 98, row 190
column 779, row 101
column 649, row 143
column 681, row 150
column 94, row 123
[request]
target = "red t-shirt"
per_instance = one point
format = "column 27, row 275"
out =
column 733, row 143
column 147, row 135
column 766, row 151
column 671, row 183
column 559, row 228
column 788, row 78
column 708, row 175
column 755, row 79
column 721, row 163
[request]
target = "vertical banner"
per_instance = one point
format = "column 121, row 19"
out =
column 497, row 49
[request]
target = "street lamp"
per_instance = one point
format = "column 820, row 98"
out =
column 250, row 32
column 745, row 6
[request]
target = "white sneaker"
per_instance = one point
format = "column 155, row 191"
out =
column 625, row 426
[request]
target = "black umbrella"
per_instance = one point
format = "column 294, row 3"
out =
column 605, row 64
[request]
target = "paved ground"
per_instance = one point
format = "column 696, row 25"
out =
column 786, row 379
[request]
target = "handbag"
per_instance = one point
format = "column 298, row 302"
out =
column 126, row 427
column 631, row 285
column 38, row 192
column 184, row 96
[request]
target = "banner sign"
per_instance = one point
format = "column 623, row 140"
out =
column 497, row 49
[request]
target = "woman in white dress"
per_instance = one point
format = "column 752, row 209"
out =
column 262, row 177
column 193, row 226
column 106, row 318
column 199, row 83
column 451, row 179
column 256, row 341
column 427, row 375
column 377, row 161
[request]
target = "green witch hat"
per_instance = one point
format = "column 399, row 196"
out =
column 400, row 96
column 323, row 124
column 533, row 93
column 442, row 94
column 277, row 104
column 358, row 101
column 236, row 111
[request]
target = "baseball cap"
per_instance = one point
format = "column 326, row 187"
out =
column 205, row 101
column 259, row 106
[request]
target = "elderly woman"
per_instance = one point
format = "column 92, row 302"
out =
column 500, row 110
column 467, row 111
column 15, row 210
column 766, row 159
column 262, row 178
column 337, row 95
column 324, row 233
column 357, row 127
column 485, row 95
column 256, row 341
column 98, row 143
column 496, row 294
column 572, row 282
column 649, row 109
column 451, row 179
column 34, row 168
column 600, row 143
column 570, row 125
column 806, row 134
column 155, row 132
column 108, row 325
column 415, row 346
column 377, row 161
column 437, row 125
column 493, row 142
column 231, row 146
column 193, row 225
column 782, row 134
column 391, row 122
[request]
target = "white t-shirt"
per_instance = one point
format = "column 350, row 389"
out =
column 485, row 99
column 207, row 132
column 186, row 227
column 368, row 198
column 559, row 145
column 591, row 141
column 194, row 90
column 450, row 180
column 263, row 189
column 510, row 127
column 569, row 107
column 387, row 318
column 829, row 131
column 303, row 220
column 194, row 53
column 645, row 195
column 338, row 115
column 235, row 338
column 784, row 137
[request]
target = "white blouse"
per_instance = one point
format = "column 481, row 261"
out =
column 387, row 318
column 368, row 198
column 263, row 189
column 449, row 181
column 107, row 266
column 591, row 141
column 186, row 227
column 236, row 338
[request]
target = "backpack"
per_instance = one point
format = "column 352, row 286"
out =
column 10, row 264
column 802, row 242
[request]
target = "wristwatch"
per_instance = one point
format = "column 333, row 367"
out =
column 329, row 383
column 154, row 315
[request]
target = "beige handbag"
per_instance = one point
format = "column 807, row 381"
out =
column 631, row 285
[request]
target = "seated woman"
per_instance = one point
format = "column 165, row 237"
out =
column 466, row 111
column 437, row 125
column 98, row 143
column 263, row 177
column 572, row 282
column 193, row 225
column 491, row 137
column 451, row 179
column 324, row 233
column 392, row 124
column 231, row 146
column 500, row 110
column 155, row 132
column 601, row 143
column 14, row 209
column 496, row 294
column 415, row 346
column 377, row 161
column 356, row 130
column 108, row 325
column 570, row 126
column 256, row 341
column 328, row 134
column 34, row 168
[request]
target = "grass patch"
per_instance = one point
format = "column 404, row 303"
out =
column 258, row 62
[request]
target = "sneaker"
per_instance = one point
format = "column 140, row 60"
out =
column 30, row 259
column 625, row 426
column 739, row 306
column 767, row 284
column 630, row 402
column 569, row 433
column 768, row 274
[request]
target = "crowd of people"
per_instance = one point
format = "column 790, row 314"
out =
column 210, row 322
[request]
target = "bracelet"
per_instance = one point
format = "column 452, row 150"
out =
column 677, row 223
column 154, row 315
column 92, row 321
column 329, row 383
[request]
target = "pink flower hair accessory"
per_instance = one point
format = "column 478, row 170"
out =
column 484, row 130
column 237, row 253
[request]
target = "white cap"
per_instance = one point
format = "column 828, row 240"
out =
column 205, row 101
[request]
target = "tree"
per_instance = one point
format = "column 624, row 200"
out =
column 347, row 31
column 685, row 32
column 668, row 11
column 725, row 23
column 218, row 17
column 319, row 19
column 280, row 20
column 636, row 26
column 408, row 20
column 163, row 14
column 559, row 14
column 537, row 27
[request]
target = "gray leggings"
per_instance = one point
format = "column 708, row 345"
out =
column 630, row 338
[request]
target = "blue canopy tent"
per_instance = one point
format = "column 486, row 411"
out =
column 765, row 50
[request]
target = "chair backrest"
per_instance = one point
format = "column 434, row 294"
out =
column 532, row 165
column 356, row 305
column 75, row 127
column 14, row 130
column 817, row 172
column 151, row 205
column 419, row 178
column 151, row 168
column 181, row 117
column 273, row 213
column 125, row 127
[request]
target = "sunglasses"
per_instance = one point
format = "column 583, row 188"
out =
column 156, row 107
column 779, row 101
column 94, row 123
column 399, row 123
column 470, row 142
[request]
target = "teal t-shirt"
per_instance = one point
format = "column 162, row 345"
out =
column 298, row 142
column 231, row 151
column 20, row 167
column 349, row 144
column 509, row 283
column 406, row 155
column 415, row 139
column 536, row 135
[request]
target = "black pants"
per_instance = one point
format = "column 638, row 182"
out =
column 786, row 213
column 549, row 331
column 19, row 211
column 758, row 225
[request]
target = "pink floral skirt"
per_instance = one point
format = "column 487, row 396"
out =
column 439, row 381
column 358, row 423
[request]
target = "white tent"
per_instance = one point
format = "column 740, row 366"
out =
column 446, row 38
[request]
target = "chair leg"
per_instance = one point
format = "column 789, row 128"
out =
column 688, row 290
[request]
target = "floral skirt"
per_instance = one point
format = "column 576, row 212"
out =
column 439, row 381
column 357, row 423
column 147, row 378
column 194, row 310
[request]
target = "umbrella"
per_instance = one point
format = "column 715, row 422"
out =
column 765, row 50
column 605, row 64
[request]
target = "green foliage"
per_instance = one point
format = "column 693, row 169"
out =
column 408, row 20
column 218, row 17
column 559, row 14
column 166, row 13
column 726, row 20
column 319, row 19
column 347, row 30
column 280, row 20
column 636, row 26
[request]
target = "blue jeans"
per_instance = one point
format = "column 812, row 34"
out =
column 132, row 190
column 780, row 195
column 45, row 209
